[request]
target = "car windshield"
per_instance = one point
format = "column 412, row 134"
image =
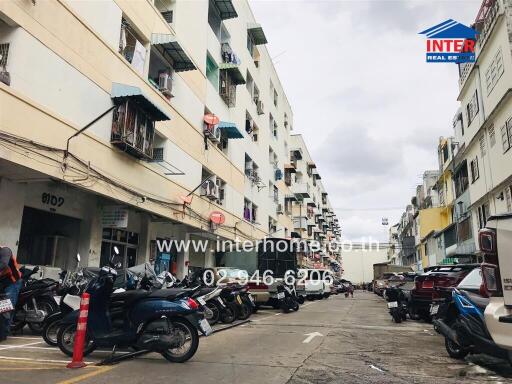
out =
column 472, row 281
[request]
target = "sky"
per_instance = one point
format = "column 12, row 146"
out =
column 369, row 107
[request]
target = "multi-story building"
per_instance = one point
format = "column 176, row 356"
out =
column 125, row 123
column 485, row 125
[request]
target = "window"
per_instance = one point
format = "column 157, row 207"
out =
column 276, row 97
column 445, row 153
column 131, row 46
column 506, row 135
column 492, row 136
column 250, row 45
column 250, row 84
column 212, row 71
column 464, row 230
column 461, row 179
column 482, row 145
column 160, row 72
column 214, row 19
column 475, row 173
column 472, row 108
column 508, row 198
column 494, row 72
column 254, row 213
column 483, row 215
column 4, row 54
column 247, row 210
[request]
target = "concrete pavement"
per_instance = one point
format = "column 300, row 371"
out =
column 358, row 344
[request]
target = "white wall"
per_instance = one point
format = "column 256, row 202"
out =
column 358, row 265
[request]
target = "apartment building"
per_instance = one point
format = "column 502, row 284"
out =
column 126, row 123
column 486, row 119
column 312, row 213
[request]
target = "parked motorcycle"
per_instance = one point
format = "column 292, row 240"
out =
column 397, row 303
column 35, row 301
column 287, row 297
column 165, row 321
column 73, row 284
column 463, row 323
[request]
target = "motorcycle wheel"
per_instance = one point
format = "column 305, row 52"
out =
column 285, row 305
column 216, row 313
column 189, row 340
column 244, row 311
column 396, row 317
column 49, row 306
column 227, row 316
column 296, row 306
column 454, row 350
column 301, row 299
column 50, row 331
column 66, row 340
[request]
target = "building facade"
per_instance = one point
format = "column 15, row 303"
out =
column 141, row 122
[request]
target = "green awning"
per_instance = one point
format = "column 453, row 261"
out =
column 226, row 9
column 233, row 71
column 256, row 32
column 231, row 130
column 170, row 46
column 124, row 91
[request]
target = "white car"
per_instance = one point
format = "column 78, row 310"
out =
column 312, row 283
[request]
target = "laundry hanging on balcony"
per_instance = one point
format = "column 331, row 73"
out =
column 278, row 174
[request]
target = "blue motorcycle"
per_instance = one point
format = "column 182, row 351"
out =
column 165, row 321
column 462, row 322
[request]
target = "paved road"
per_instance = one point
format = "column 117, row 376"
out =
column 359, row 344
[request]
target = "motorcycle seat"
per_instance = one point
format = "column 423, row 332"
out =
column 204, row 291
column 479, row 301
column 169, row 293
column 128, row 297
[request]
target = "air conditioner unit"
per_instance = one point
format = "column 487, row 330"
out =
column 165, row 83
column 215, row 135
column 210, row 189
column 280, row 209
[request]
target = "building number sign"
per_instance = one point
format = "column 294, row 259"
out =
column 52, row 200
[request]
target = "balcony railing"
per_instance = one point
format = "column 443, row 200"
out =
column 301, row 190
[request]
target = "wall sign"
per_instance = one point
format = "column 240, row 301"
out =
column 114, row 216
column 51, row 200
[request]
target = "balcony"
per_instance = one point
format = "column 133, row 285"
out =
column 301, row 190
column 300, row 223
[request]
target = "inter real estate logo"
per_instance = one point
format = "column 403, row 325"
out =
column 450, row 42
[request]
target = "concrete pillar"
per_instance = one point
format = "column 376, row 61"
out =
column 12, row 201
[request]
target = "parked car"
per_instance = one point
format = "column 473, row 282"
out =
column 311, row 282
column 433, row 286
column 379, row 285
column 496, row 242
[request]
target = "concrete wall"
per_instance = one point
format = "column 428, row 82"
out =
column 358, row 264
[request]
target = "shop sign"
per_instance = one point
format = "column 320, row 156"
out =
column 114, row 216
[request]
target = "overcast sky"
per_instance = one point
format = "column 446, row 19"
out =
column 370, row 108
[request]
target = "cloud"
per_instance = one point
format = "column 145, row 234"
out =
column 369, row 107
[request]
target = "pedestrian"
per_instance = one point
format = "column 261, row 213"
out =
column 10, row 284
column 351, row 290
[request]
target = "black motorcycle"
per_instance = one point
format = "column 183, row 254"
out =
column 397, row 303
column 287, row 297
column 165, row 321
column 36, row 301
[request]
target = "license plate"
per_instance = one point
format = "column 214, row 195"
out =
column 221, row 302
column 205, row 327
column 434, row 309
column 6, row 305
column 239, row 299
column 280, row 295
column 393, row 304
column 201, row 301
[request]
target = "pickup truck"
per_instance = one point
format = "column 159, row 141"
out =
column 496, row 244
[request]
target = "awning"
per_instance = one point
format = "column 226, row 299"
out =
column 311, row 164
column 169, row 44
column 226, row 9
column 290, row 168
column 233, row 71
column 231, row 130
column 256, row 33
column 123, row 91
